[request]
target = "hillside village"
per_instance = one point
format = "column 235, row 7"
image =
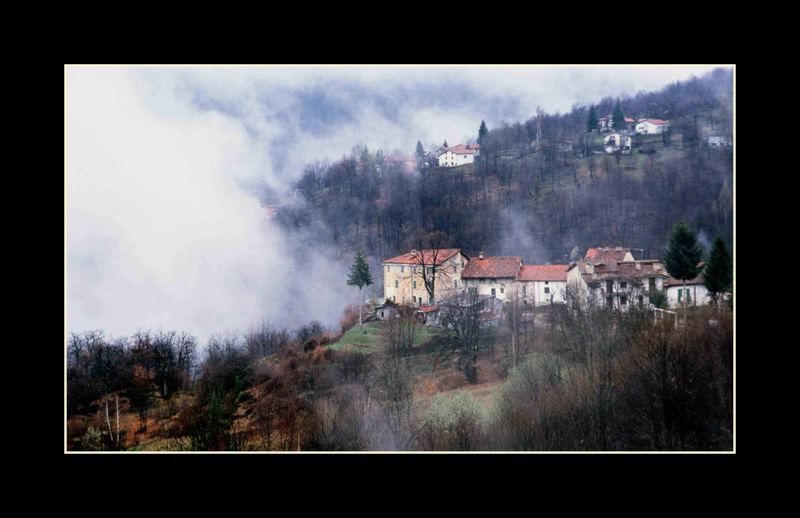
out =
column 547, row 342
column 606, row 276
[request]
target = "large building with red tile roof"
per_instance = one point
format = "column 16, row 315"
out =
column 404, row 275
column 612, row 277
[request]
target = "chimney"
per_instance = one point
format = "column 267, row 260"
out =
column 480, row 255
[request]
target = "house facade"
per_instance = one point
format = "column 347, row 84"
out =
column 539, row 285
column 651, row 126
column 611, row 277
column 694, row 292
column 618, row 141
column 403, row 281
column 492, row 276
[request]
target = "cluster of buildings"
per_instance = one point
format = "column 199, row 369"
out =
column 605, row 276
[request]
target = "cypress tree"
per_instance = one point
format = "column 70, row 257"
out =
column 718, row 274
column 483, row 131
column 619, row 117
column 359, row 276
column 591, row 123
column 683, row 254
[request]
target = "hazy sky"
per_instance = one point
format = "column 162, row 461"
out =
column 162, row 232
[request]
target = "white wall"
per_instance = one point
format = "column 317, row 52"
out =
column 697, row 292
column 450, row 159
column 648, row 128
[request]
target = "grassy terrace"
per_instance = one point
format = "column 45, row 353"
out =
column 368, row 338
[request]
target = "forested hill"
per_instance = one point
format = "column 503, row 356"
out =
column 542, row 188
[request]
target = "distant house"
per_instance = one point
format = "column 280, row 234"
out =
column 617, row 141
column 651, row 126
column 492, row 276
column 386, row 311
column 607, row 123
column 457, row 155
column 540, row 284
column 718, row 141
column 694, row 292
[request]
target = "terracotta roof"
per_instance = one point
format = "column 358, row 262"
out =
column 619, row 270
column 542, row 272
column 427, row 257
column 473, row 146
column 458, row 149
column 628, row 119
column 657, row 122
column 606, row 254
column 427, row 309
column 492, row 267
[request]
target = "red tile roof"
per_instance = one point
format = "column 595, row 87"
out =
column 427, row 309
column 458, row 149
column 606, row 254
column 657, row 122
column 492, row 267
column 543, row 272
column 427, row 257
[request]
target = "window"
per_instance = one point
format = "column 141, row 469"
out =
column 414, row 298
column 623, row 300
column 502, row 290
column 547, row 289
column 493, row 292
column 414, row 284
column 680, row 294
column 402, row 269
column 524, row 289
column 455, row 284
column 610, row 286
column 623, row 285
column 652, row 282
column 396, row 283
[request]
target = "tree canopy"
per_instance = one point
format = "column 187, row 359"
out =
column 683, row 253
column 718, row 274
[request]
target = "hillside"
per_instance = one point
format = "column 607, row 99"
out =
column 538, row 198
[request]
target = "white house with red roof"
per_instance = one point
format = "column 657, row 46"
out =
column 694, row 291
column 651, row 126
column 540, row 284
column 457, row 155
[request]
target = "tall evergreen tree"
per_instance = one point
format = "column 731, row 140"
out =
column 591, row 122
column 420, row 150
column 718, row 274
column 483, row 132
column 618, row 117
column 683, row 254
column 359, row 276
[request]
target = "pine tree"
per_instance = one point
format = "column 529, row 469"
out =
column 359, row 276
column 420, row 150
column 445, row 143
column 618, row 117
column 483, row 132
column 591, row 123
column 719, row 270
column 683, row 255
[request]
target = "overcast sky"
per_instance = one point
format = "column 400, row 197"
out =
column 161, row 232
